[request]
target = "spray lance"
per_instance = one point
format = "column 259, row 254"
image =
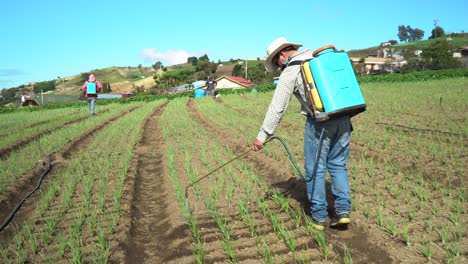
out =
column 246, row 152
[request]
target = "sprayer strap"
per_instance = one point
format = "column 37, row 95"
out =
column 305, row 105
column 296, row 62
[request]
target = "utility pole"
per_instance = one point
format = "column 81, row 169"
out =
column 42, row 98
column 436, row 22
column 246, row 69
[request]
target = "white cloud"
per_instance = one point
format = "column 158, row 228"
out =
column 171, row 57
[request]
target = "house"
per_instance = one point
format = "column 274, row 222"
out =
column 29, row 102
column 235, row 82
column 372, row 64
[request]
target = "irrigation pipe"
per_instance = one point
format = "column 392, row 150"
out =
column 18, row 206
column 430, row 130
column 419, row 129
column 440, row 104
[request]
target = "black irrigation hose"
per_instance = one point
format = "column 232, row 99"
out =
column 419, row 129
column 18, row 206
column 440, row 104
column 430, row 130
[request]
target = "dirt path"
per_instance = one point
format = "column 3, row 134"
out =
column 157, row 233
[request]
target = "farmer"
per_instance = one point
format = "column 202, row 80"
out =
column 210, row 86
column 91, row 88
column 331, row 138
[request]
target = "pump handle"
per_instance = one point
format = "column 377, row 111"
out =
column 322, row 49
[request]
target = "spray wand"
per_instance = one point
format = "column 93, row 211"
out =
column 241, row 155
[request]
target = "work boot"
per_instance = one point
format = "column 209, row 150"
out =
column 340, row 220
column 317, row 225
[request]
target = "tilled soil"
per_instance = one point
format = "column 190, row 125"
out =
column 157, row 232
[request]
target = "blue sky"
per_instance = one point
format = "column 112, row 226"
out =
column 43, row 40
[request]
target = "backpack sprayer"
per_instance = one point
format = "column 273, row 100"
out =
column 91, row 88
column 331, row 84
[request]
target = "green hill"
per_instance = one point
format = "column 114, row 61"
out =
column 122, row 78
column 458, row 40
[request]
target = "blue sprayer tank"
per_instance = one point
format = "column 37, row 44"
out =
column 336, row 82
column 199, row 92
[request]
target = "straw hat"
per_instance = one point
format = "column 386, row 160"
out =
column 276, row 46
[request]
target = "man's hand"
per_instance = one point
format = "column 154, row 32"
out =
column 257, row 145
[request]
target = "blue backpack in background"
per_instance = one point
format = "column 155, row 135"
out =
column 91, row 88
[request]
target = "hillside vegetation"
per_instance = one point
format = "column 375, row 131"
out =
column 121, row 79
column 457, row 40
column 124, row 79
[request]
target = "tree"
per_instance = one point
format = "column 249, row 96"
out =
column 439, row 55
column 170, row 79
column 416, row 34
column 409, row 51
column 206, row 66
column 408, row 34
column 437, row 32
column 201, row 75
column 237, row 70
column 106, row 88
column 412, row 60
column 138, row 89
column 192, row 60
column 157, row 65
column 204, row 58
column 403, row 33
column 257, row 73
column 44, row 86
column 9, row 94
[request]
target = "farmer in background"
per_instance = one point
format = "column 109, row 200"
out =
column 210, row 86
column 334, row 134
column 91, row 88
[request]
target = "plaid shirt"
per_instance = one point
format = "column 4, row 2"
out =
column 290, row 82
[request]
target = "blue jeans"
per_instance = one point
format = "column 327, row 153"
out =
column 91, row 104
column 332, row 138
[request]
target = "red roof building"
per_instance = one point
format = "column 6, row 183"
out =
column 235, row 82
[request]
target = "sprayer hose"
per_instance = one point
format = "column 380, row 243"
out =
column 293, row 161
